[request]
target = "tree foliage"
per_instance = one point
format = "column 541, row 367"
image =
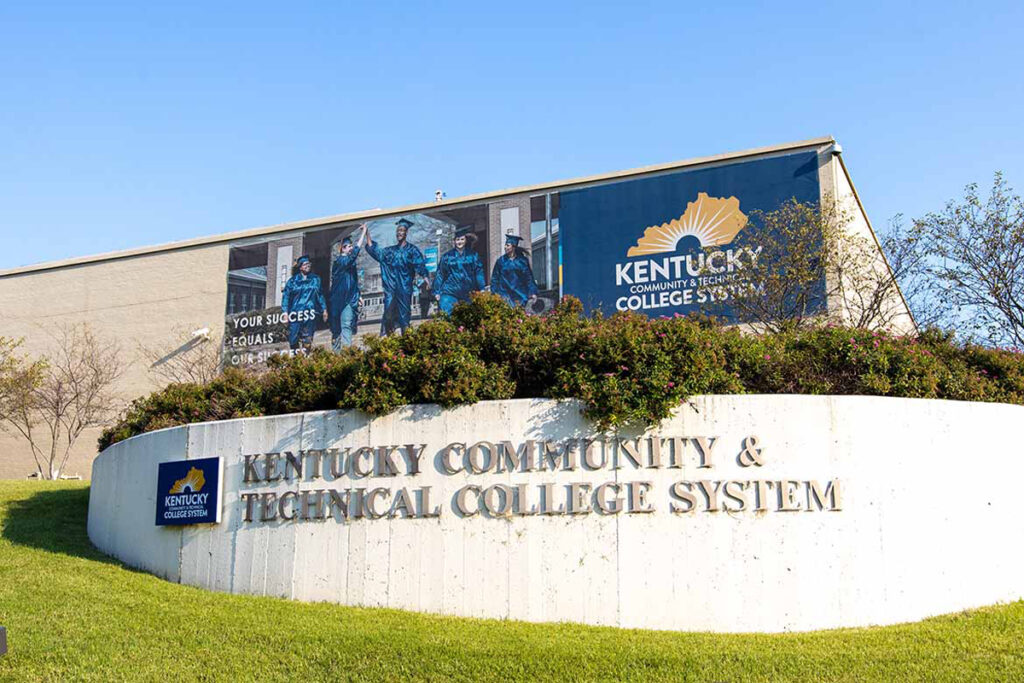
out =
column 19, row 376
column 970, row 265
column 626, row 370
column 813, row 269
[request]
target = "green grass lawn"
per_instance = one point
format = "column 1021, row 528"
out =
column 74, row 614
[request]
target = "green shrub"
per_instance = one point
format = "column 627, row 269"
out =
column 626, row 369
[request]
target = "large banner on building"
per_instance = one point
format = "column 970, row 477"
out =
column 326, row 287
column 330, row 285
column 661, row 244
column 676, row 243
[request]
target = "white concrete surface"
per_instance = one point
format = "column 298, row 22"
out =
column 929, row 522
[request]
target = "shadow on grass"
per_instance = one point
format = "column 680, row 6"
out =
column 54, row 521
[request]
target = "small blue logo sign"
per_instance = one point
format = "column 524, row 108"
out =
column 188, row 492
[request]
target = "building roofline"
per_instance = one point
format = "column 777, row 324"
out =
column 411, row 208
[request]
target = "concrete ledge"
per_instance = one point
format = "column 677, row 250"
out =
column 922, row 517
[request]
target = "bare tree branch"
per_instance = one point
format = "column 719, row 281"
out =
column 72, row 392
column 196, row 361
column 813, row 269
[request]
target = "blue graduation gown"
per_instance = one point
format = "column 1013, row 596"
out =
column 512, row 278
column 399, row 265
column 344, row 290
column 459, row 274
column 302, row 293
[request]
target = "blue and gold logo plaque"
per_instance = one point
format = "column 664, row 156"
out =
column 189, row 492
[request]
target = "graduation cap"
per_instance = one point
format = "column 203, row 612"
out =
column 463, row 230
column 404, row 222
column 302, row 259
column 514, row 240
column 347, row 240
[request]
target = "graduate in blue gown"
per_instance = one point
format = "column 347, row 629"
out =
column 303, row 301
column 512, row 276
column 400, row 265
column 344, row 295
column 460, row 271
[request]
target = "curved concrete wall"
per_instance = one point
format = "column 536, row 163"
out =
column 929, row 519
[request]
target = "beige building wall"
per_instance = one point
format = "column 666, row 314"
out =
column 145, row 299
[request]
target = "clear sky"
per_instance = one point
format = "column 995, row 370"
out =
column 127, row 124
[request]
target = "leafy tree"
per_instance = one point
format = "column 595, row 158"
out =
column 812, row 268
column 18, row 377
column 972, row 272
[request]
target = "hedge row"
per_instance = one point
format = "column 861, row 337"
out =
column 626, row 369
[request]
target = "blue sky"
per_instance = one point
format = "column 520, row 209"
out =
column 126, row 124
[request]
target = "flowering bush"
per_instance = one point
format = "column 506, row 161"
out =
column 626, row 369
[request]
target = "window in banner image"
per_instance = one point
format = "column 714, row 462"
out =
column 509, row 220
column 247, row 279
column 538, row 238
column 285, row 270
column 544, row 240
column 555, row 252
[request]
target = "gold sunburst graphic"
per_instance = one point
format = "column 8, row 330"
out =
column 193, row 481
column 712, row 220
